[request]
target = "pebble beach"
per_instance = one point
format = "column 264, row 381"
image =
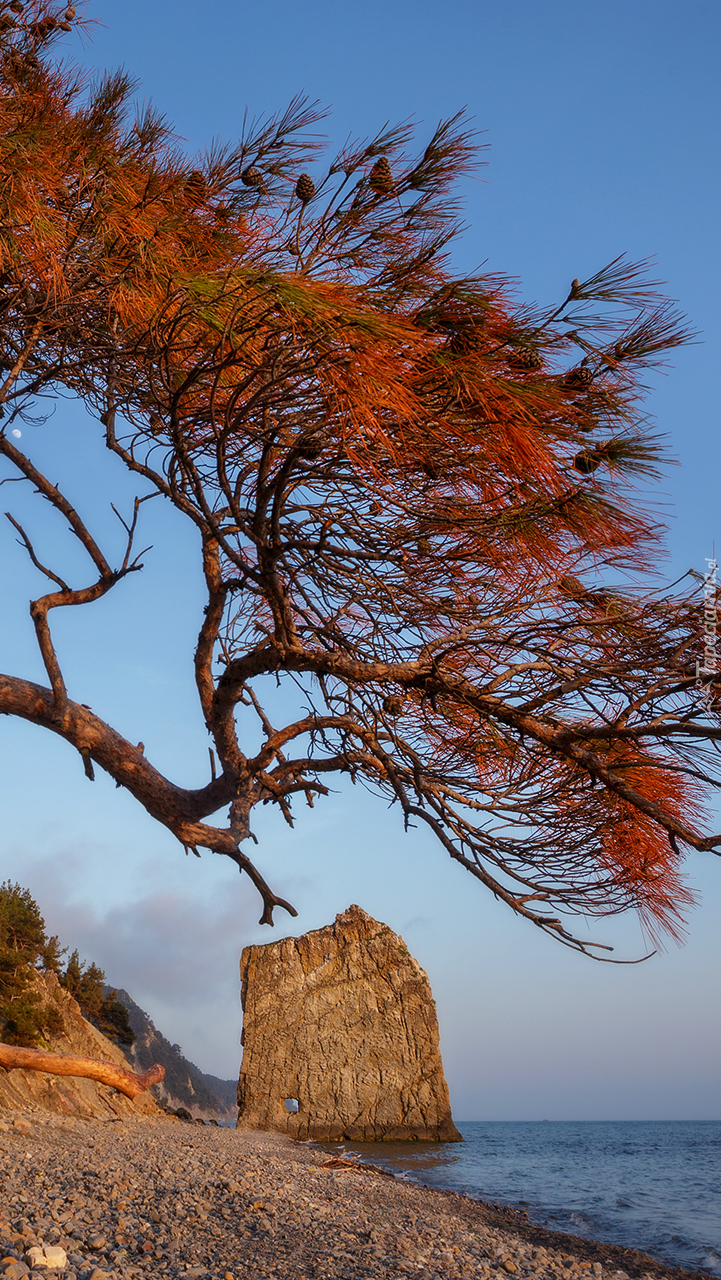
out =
column 149, row 1196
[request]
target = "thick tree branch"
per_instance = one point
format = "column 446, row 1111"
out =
column 121, row 759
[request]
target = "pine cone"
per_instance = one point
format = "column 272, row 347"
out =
column 251, row 177
column 20, row 64
column 310, row 447
column 587, row 463
column 393, row 705
column 525, row 358
column 570, row 586
column 578, row 379
column 196, row 187
column 467, row 339
column 70, row 13
column 381, row 178
column 305, row 188
column 424, row 547
column 16, row 6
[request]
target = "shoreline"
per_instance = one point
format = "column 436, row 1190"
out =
column 517, row 1222
column 156, row 1196
column 648, row 1187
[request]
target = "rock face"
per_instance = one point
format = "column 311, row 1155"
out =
column 185, row 1085
column 342, row 1022
column 71, row 1095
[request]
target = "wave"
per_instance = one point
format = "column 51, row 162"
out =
column 648, row 1186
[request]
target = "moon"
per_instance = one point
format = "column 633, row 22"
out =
column 17, row 434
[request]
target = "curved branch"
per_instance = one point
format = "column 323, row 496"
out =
column 226, row 842
column 176, row 808
column 124, row 761
column 559, row 739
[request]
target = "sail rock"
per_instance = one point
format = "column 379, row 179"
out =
column 342, row 1024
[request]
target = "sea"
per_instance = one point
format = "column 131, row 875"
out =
column 654, row 1186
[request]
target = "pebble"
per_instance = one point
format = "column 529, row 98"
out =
column 47, row 1256
column 150, row 1198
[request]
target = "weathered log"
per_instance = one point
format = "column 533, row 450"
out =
column 65, row 1064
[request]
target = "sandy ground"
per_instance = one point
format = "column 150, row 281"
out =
column 139, row 1197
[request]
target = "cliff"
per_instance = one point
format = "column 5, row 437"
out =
column 70, row 1095
column 185, row 1085
column 341, row 1022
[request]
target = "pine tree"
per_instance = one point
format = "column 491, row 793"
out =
column 24, row 950
column 25, row 1019
column 86, row 983
column 414, row 499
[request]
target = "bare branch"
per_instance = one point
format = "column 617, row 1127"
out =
column 29, row 548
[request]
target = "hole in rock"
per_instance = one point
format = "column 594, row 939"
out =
column 291, row 1104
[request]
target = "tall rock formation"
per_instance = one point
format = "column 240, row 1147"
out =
column 341, row 1021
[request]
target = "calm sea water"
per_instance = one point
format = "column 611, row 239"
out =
column 649, row 1186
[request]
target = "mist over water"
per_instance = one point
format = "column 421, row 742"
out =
column 654, row 1186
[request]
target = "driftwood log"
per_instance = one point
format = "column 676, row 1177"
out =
column 65, row 1064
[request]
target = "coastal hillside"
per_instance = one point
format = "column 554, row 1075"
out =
column 185, row 1085
column 49, row 1001
column 70, row 1033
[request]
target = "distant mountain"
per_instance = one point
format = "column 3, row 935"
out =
column 185, row 1085
column 226, row 1090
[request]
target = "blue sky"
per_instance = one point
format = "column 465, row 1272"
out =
column 602, row 121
